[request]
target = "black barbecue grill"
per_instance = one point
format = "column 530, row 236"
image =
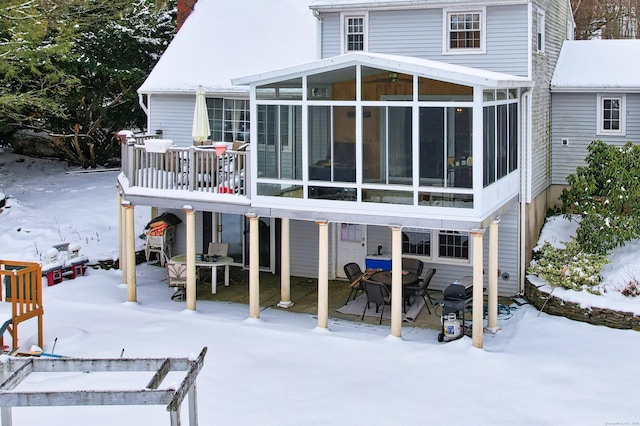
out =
column 455, row 300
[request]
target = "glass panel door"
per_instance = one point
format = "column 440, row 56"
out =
column 266, row 232
column 231, row 233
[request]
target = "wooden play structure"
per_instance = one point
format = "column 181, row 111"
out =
column 16, row 370
column 22, row 283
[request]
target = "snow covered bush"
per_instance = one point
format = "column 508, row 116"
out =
column 632, row 289
column 606, row 195
column 569, row 267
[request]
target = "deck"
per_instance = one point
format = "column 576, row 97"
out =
column 148, row 164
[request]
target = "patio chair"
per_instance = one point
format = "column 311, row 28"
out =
column 354, row 274
column 218, row 249
column 177, row 279
column 412, row 265
column 421, row 289
column 377, row 293
column 160, row 244
column 215, row 249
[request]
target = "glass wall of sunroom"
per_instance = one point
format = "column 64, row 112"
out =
column 379, row 136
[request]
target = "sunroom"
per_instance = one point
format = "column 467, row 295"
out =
column 385, row 137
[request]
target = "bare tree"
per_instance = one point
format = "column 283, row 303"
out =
column 607, row 19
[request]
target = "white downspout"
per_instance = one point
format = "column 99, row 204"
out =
column 318, row 34
column 525, row 160
column 143, row 106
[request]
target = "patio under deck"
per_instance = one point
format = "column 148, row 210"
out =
column 304, row 295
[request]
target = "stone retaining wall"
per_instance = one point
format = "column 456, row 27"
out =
column 573, row 311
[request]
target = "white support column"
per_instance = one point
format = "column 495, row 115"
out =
column 478, row 299
column 130, row 251
column 323, row 274
column 191, row 256
column 285, row 265
column 396, row 281
column 254, row 266
column 121, row 255
column 492, row 300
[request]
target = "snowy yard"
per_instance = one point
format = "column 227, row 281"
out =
column 281, row 369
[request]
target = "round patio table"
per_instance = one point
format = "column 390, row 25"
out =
column 384, row 277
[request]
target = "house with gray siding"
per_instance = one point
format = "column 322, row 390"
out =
column 592, row 100
column 407, row 128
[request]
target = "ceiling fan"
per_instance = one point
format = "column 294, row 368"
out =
column 392, row 77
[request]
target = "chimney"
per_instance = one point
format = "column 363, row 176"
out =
column 185, row 7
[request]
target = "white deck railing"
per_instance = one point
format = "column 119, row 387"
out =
column 185, row 168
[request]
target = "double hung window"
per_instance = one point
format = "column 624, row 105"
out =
column 464, row 31
column 354, row 33
column 611, row 115
column 451, row 245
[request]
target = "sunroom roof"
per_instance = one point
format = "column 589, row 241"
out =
column 409, row 65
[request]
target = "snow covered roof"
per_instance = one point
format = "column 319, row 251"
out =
column 405, row 64
column 590, row 65
column 225, row 39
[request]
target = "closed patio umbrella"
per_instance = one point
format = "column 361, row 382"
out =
column 201, row 130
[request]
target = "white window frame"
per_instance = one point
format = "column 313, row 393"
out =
column 434, row 248
column 540, row 31
column 286, row 144
column 602, row 97
column 234, row 123
column 446, row 33
column 344, row 17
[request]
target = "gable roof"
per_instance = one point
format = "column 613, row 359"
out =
column 207, row 52
column 597, row 65
column 405, row 64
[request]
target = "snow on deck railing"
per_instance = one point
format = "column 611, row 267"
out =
column 185, row 168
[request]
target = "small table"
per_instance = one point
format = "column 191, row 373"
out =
column 222, row 261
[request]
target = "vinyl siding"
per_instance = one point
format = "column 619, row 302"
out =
column 179, row 244
column 508, row 260
column 378, row 235
column 574, row 116
column 304, row 249
column 508, row 249
column 418, row 33
column 330, row 35
column 173, row 114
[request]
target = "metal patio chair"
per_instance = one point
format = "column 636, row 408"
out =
column 177, row 279
column 421, row 289
column 354, row 274
column 377, row 293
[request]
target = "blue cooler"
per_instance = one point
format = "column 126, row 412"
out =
column 378, row 262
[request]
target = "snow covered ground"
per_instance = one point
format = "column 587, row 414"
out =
column 281, row 369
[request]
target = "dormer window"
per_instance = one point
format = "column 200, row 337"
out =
column 354, row 33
